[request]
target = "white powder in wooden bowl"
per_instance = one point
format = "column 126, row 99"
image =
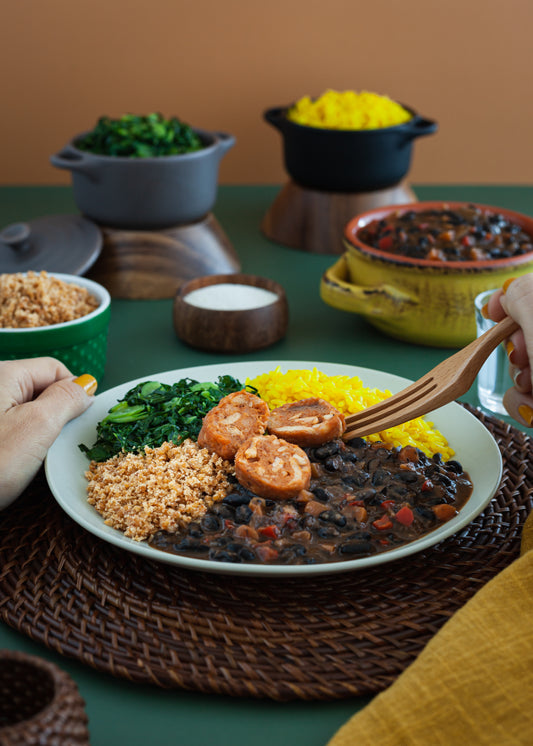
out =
column 226, row 296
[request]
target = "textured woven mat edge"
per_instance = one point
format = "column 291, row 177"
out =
column 324, row 638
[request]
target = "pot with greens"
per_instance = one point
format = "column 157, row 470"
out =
column 144, row 172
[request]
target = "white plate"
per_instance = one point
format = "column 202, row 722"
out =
column 474, row 446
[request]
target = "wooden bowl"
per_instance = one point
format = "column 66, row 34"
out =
column 211, row 315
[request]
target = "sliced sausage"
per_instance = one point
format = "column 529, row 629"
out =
column 308, row 422
column 235, row 419
column 272, row 468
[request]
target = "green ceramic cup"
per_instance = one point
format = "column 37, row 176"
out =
column 80, row 344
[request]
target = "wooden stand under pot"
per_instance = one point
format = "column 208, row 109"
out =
column 151, row 265
column 314, row 221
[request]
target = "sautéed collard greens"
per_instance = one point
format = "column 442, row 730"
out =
column 152, row 413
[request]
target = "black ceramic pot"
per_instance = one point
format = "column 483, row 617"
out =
column 146, row 193
column 347, row 160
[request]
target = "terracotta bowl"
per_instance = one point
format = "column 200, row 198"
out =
column 417, row 300
column 231, row 313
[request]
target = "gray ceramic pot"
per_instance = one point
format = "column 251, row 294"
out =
column 145, row 193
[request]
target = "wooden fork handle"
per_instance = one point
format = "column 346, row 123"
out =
column 461, row 369
column 448, row 380
column 481, row 347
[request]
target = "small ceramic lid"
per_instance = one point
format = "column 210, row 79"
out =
column 55, row 243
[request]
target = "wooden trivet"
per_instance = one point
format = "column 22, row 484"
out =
column 151, row 265
column 314, row 221
column 324, row 637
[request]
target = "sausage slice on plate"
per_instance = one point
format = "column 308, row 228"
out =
column 235, row 419
column 308, row 422
column 272, row 468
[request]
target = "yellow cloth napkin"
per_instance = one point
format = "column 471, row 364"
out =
column 473, row 682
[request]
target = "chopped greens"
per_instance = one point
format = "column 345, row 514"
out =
column 138, row 136
column 152, row 413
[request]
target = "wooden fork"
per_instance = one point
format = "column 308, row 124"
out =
column 444, row 383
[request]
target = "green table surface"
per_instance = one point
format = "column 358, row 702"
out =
column 142, row 342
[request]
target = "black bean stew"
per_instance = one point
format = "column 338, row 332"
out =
column 363, row 499
column 460, row 234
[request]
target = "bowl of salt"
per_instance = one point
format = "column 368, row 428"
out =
column 230, row 313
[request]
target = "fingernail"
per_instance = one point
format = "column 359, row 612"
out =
column 87, row 382
column 526, row 413
column 506, row 284
column 485, row 311
column 510, row 348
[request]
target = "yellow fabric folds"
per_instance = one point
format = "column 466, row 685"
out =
column 473, row 682
column 527, row 535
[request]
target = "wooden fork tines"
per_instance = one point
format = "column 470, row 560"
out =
column 443, row 384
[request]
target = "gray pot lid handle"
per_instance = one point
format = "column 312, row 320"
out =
column 54, row 243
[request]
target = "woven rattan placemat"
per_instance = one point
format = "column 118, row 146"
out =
column 326, row 637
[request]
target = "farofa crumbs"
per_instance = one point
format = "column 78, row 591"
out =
column 38, row 299
column 162, row 489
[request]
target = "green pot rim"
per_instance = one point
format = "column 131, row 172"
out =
column 47, row 338
column 43, row 338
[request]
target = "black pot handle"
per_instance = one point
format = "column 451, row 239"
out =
column 277, row 117
column 419, row 126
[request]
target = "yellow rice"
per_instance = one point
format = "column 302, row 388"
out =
column 349, row 396
column 348, row 110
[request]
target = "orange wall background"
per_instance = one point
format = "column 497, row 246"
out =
column 219, row 65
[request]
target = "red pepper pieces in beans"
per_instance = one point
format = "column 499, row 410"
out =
column 270, row 532
column 405, row 515
column 383, row 523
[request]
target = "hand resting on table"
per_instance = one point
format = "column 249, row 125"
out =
column 38, row 397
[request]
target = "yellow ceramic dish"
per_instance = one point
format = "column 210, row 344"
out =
column 418, row 301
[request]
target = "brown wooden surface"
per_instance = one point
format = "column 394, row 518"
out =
column 147, row 265
column 231, row 331
column 314, row 221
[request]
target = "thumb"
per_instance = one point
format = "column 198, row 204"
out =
column 59, row 403
column 28, row 430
